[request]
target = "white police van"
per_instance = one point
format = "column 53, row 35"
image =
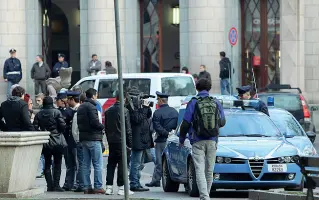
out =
column 177, row 85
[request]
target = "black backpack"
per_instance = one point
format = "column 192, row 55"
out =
column 206, row 117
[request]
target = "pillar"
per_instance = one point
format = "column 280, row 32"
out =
column 12, row 35
column 34, row 39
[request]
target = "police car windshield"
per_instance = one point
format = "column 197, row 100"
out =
column 248, row 125
column 286, row 124
column 109, row 87
column 178, row 86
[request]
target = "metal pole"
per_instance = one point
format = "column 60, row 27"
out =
column 231, row 71
column 120, row 78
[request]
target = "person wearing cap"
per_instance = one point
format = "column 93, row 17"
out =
column 67, row 113
column 73, row 100
column 40, row 72
column 51, row 119
column 164, row 122
column 15, row 112
column 94, row 66
column 244, row 94
column 61, row 63
column 12, row 70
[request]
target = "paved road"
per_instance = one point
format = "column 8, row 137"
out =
column 154, row 193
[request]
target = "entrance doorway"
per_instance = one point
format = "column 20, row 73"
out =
column 261, row 42
column 159, row 37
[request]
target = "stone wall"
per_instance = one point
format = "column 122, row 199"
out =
column 311, row 31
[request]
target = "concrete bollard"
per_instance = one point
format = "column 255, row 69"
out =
column 19, row 157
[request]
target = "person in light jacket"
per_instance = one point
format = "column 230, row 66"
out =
column 94, row 66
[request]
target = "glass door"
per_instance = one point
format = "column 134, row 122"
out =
column 260, row 46
column 151, row 37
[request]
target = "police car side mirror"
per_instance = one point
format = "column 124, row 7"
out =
column 311, row 135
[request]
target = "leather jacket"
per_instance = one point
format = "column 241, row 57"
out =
column 113, row 125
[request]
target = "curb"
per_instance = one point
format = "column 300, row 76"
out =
column 265, row 195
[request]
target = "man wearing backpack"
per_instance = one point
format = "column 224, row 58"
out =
column 224, row 73
column 202, row 119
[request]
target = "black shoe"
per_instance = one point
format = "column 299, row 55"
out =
column 157, row 184
column 139, row 189
column 58, row 189
column 66, row 188
column 79, row 190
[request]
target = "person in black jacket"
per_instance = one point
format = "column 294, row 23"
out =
column 203, row 73
column 91, row 135
column 113, row 133
column 15, row 112
column 164, row 122
column 142, row 140
column 50, row 119
column 224, row 73
column 40, row 72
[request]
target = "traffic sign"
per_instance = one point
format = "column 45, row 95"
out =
column 233, row 36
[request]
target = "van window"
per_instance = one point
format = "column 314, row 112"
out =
column 178, row 86
column 85, row 85
column 109, row 87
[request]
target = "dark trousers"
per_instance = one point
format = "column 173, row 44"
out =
column 52, row 178
column 40, row 84
column 71, row 168
column 115, row 159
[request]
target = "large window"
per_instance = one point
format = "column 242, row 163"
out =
column 151, row 35
column 178, row 86
column 85, row 85
column 109, row 87
column 260, row 46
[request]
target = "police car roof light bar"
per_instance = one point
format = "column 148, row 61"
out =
column 239, row 103
column 270, row 101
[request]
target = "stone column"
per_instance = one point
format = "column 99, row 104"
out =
column 84, row 45
column 13, row 34
column 34, row 39
column 203, row 34
column 292, row 64
column 183, row 34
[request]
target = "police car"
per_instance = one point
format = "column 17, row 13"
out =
column 253, row 155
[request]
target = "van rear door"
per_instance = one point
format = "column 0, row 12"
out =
column 178, row 87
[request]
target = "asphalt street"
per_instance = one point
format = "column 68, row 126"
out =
column 154, row 193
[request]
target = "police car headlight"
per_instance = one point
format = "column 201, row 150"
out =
column 287, row 159
column 309, row 151
column 281, row 160
column 227, row 160
column 220, row 159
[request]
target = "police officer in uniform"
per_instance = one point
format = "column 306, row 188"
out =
column 244, row 94
column 164, row 122
column 67, row 113
column 59, row 65
column 12, row 71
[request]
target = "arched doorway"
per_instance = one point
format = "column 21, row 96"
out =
column 55, row 32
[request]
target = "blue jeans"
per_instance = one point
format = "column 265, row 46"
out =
column 225, row 86
column 153, row 155
column 9, row 84
column 135, row 172
column 92, row 153
column 42, row 161
column 79, row 175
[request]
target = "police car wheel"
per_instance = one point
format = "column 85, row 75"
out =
column 167, row 183
column 191, row 180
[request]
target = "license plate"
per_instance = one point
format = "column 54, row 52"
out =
column 277, row 168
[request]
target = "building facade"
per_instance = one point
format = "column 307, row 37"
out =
column 277, row 39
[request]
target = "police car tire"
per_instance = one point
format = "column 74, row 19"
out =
column 167, row 183
column 191, row 180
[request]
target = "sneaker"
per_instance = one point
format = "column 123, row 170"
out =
column 122, row 191
column 109, row 190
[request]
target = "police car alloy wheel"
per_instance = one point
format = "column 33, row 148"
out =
column 167, row 183
column 191, row 179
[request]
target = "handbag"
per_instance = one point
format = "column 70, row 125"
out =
column 147, row 156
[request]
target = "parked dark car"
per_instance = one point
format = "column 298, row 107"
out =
column 292, row 100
